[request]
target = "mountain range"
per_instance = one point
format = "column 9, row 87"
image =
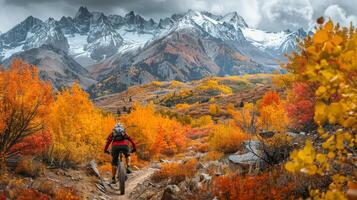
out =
column 108, row 53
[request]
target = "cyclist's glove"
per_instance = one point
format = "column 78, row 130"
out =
column 133, row 151
column 106, row 151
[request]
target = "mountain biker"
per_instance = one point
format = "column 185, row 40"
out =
column 119, row 140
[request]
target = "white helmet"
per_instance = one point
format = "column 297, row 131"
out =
column 119, row 128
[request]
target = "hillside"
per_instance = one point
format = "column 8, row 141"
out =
column 172, row 95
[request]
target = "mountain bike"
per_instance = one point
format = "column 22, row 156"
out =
column 121, row 174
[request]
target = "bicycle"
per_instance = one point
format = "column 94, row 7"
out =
column 121, row 173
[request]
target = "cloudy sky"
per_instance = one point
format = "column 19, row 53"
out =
column 269, row 15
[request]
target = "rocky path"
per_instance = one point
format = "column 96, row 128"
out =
column 134, row 179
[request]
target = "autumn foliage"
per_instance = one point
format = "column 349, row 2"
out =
column 226, row 138
column 24, row 100
column 272, row 113
column 328, row 62
column 79, row 129
column 300, row 105
column 154, row 134
column 30, row 194
column 264, row 186
column 176, row 171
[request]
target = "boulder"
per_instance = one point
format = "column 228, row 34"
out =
column 250, row 157
column 156, row 165
column 171, row 193
column 205, row 177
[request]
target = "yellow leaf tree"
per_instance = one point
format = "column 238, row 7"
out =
column 154, row 134
column 328, row 62
column 79, row 128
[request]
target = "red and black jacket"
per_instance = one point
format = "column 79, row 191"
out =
column 119, row 143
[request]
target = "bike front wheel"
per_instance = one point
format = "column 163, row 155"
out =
column 122, row 177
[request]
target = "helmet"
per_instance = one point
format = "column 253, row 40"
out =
column 119, row 128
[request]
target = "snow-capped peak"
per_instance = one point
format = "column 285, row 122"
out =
column 236, row 20
column 48, row 33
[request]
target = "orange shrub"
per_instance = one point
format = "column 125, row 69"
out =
column 154, row 134
column 177, row 172
column 196, row 133
column 226, row 138
column 66, row 194
column 24, row 101
column 137, row 162
column 261, row 187
column 106, row 168
column 202, row 147
column 273, row 116
column 270, row 98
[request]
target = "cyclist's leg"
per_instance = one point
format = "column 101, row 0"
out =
column 125, row 151
column 115, row 156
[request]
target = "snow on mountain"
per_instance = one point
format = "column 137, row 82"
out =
column 48, row 33
column 90, row 37
column 208, row 23
column 236, row 20
column 275, row 43
column 103, row 40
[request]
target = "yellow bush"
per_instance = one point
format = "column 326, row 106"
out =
column 213, row 85
column 175, row 84
column 202, row 121
column 79, row 130
column 226, row 138
column 327, row 61
column 213, row 109
column 182, row 106
column 154, row 134
column 157, row 83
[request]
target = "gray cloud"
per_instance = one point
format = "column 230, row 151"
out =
column 265, row 14
column 339, row 15
column 285, row 14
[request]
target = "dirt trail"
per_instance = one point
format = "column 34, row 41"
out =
column 134, row 179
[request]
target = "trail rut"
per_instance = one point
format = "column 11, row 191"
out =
column 134, row 179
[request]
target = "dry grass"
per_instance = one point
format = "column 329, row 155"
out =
column 27, row 166
column 176, row 172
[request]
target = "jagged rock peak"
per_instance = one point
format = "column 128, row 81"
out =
column 235, row 19
column 83, row 13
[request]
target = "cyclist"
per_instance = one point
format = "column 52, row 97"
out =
column 119, row 140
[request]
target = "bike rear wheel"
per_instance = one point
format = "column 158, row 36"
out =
column 121, row 177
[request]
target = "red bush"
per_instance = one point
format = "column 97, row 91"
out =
column 30, row 194
column 260, row 187
column 300, row 105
